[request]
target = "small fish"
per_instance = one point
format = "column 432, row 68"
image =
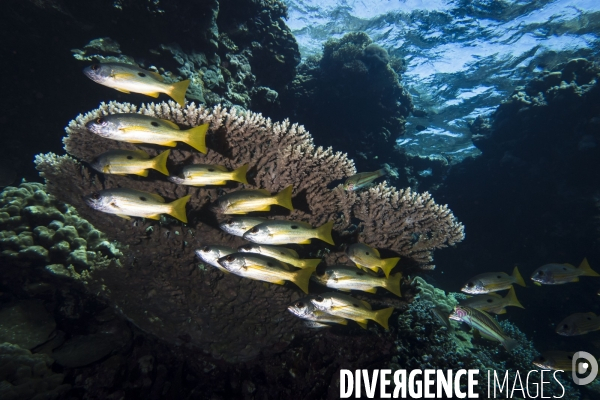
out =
column 266, row 269
column 206, row 174
column 137, row 162
column 283, row 232
column 578, row 324
column 129, row 78
column 134, row 203
column 139, row 128
column 486, row 325
column 239, row 225
column 493, row 282
column 360, row 180
column 249, row 200
column 282, row 254
column 346, row 279
column 306, row 310
column 342, row 305
column 492, row 302
column 210, row 255
column 367, row 257
column 557, row 274
column 555, row 360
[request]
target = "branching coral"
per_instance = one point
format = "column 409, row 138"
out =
column 161, row 288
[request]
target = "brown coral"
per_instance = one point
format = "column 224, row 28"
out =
column 160, row 286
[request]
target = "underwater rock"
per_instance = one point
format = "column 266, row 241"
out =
column 25, row 323
column 79, row 351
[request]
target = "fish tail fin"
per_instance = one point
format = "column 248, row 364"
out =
column 177, row 91
column 239, row 174
column 284, row 198
column 159, row 162
column 518, row 278
column 586, row 269
column 510, row 344
column 382, row 172
column 310, row 263
column 511, row 298
column 382, row 317
column 302, row 277
column 388, row 264
column 393, row 284
column 196, row 137
column 178, row 208
column 324, row 232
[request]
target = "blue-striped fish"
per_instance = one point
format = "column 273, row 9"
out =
column 487, row 326
column 362, row 179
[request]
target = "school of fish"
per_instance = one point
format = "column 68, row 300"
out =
column 264, row 258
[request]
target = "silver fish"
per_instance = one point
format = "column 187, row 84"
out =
column 210, row 255
column 239, row 225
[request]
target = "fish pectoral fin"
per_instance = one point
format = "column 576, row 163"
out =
column 155, row 216
column 537, row 283
column 501, row 311
column 362, row 323
column 124, row 91
column 171, row 124
column 156, row 75
column 152, row 94
column 156, row 197
column 123, row 216
column 366, row 304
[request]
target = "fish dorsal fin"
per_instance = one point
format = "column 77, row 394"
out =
column 171, row 124
column 264, row 191
column 218, row 167
column 142, row 154
column 376, row 252
column 364, row 303
column 569, row 265
column 157, row 197
column 156, row 76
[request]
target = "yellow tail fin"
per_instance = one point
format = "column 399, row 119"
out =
column 159, row 162
column 324, row 233
column 302, row 277
column 239, row 175
column 196, row 137
column 511, row 298
column 309, row 263
column 393, row 284
column 518, row 278
column 382, row 317
column 510, row 344
column 284, row 198
column 177, row 91
column 586, row 269
column 178, row 208
column 388, row 264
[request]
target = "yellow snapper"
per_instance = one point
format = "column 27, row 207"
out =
column 367, row 257
column 211, row 255
column 555, row 360
column 493, row 282
column 283, row 254
column 138, row 128
column 267, row 269
column 557, row 274
column 362, row 179
column 487, row 326
column 136, row 162
column 249, row 200
column 492, row 302
column 342, row 305
column 345, row 279
column 239, row 225
column 206, row 174
column 578, row 324
column 134, row 203
column 306, row 310
column 129, row 78
column 283, row 232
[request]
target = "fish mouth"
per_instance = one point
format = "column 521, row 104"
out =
column 91, row 73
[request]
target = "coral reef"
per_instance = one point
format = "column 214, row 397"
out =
column 161, row 288
column 351, row 98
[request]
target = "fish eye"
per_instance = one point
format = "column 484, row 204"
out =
column 470, row 284
column 206, row 249
column 319, row 298
column 143, row 75
column 228, row 222
column 95, row 67
column 142, row 198
column 564, row 269
column 95, row 195
column 154, row 123
column 300, row 304
column 254, row 230
column 130, row 157
column 99, row 120
column 229, row 258
column 589, row 319
column 565, row 326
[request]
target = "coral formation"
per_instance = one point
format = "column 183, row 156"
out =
column 161, row 289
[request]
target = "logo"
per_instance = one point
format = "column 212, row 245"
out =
column 581, row 367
